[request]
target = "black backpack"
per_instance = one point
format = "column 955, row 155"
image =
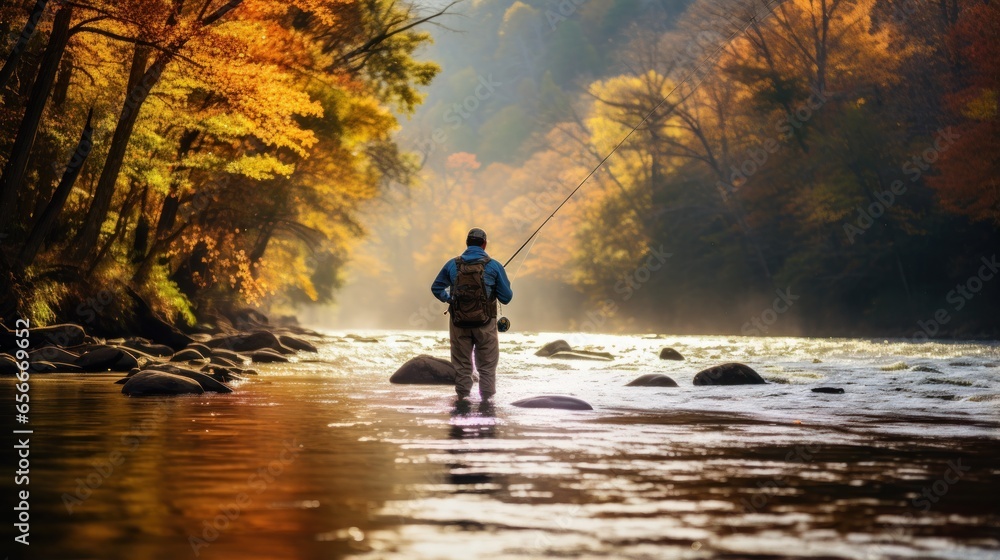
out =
column 471, row 306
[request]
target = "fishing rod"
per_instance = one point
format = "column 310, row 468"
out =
column 503, row 323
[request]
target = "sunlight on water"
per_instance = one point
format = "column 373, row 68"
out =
column 323, row 458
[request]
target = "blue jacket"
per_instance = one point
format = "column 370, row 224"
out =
column 495, row 277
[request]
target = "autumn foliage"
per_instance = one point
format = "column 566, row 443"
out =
column 204, row 152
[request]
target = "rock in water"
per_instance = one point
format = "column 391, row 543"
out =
column 425, row 370
column 55, row 335
column 207, row 382
column 296, row 343
column 729, row 374
column 54, row 354
column 652, row 380
column 149, row 383
column 830, row 390
column 670, row 354
column 554, row 347
column 582, row 355
column 200, row 348
column 554, row 401
column 266, row 356
column 249, row 342
column 159, row 350
column 187, row 355
column 53, row 367
column 101, row 358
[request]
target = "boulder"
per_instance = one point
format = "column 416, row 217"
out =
column 152, row 327
column 54, row 335
column 554, row 347
column 53, row 367
column 728, row 374
column 425, row 370
column 151, row 382
column 159, row 350
column 187, row 355
column 652, row 380
column 127, row 361
column 266, row 356
column 200, row 348
column 58, row 335
column 554, row 401
column 101, row 358
column 216, row 360
column 208, row 383
column 54, row 354
column 670, row 354
column 249, row 342
column 296, row 343
column 227, row 355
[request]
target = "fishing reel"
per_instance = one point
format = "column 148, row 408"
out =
column 503, row 324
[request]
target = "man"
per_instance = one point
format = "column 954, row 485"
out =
column 471, row 285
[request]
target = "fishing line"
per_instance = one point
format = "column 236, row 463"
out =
column 691, row 73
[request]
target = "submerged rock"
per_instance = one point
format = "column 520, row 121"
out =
column 670, row 354
column 554, row 401
column 652, row 380
column 829, row 390
column 207, row 382
column 729, row 374
column 553, row 348
column 582, row 355
column 147, row 383
column 425, row 370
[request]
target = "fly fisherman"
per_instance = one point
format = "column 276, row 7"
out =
column 471, row 285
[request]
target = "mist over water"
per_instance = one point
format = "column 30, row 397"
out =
column 533, row 94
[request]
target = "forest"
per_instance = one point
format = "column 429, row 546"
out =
column 195, row 154
column 836, row 157
column 841, row 151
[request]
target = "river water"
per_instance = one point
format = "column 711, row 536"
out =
column 323, row 458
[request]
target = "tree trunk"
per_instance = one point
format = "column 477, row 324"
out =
column 22, row 41
column 62, row 82
column 141, row 81
column 47, row 218
column 17, row 164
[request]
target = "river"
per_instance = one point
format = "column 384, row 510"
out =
column 323, row 458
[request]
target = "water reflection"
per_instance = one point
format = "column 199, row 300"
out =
column 408, row 472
